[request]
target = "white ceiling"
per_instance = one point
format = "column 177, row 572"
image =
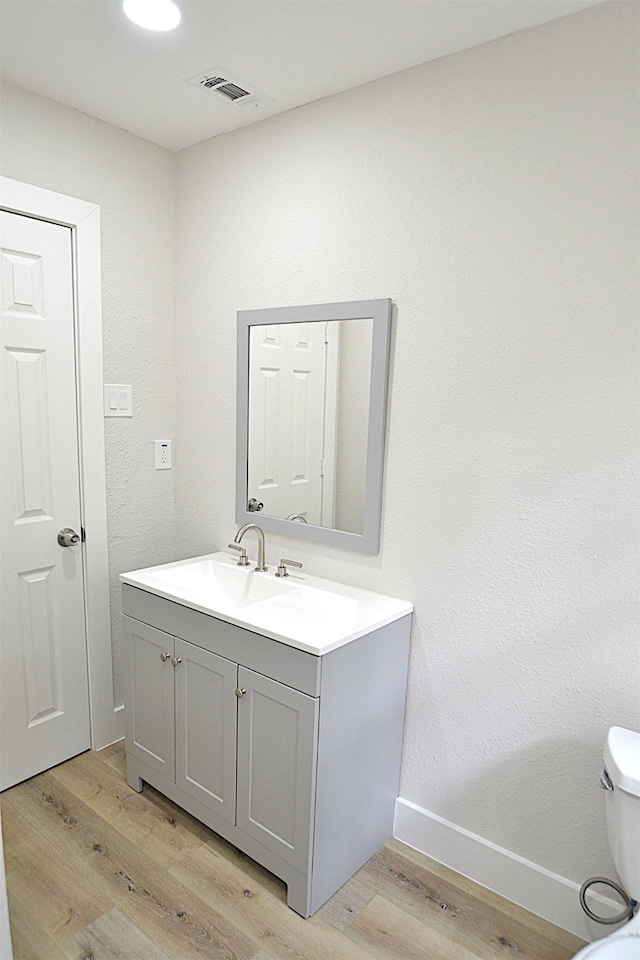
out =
column 87, row 55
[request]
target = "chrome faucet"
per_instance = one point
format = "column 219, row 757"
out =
column 261, row 567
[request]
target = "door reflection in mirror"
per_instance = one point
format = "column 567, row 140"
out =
column 309, row 387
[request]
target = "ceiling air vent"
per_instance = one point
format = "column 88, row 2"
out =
column 229, row 88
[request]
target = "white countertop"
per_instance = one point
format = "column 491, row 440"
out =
column 306, row 612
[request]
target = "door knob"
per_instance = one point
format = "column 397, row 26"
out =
column 240, row 693
column 165, row 656
column 68, row 537
column 176, row 660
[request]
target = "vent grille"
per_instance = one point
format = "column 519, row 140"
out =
column 211, row 81
column 233, row 91
column 229, row 87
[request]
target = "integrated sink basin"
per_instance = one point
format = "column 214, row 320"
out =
column 302, row 611
column 219, row 585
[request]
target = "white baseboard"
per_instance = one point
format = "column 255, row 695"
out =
column 118, row 717
column 115, row 733
column 544, row 893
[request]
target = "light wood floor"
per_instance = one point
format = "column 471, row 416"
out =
column 96, row 871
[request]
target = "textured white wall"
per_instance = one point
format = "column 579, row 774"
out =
column 493, row 196
column 133, row 181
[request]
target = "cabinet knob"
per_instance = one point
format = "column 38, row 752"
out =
column 176, row 660
column 165, row 656
column 240, row 693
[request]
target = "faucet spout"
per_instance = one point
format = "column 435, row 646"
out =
column 261, row 566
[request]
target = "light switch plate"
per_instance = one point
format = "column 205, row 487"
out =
column 118, row 400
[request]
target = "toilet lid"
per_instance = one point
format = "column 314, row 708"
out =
column 612, row 948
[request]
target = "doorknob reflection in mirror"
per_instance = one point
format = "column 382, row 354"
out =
column 68, row 537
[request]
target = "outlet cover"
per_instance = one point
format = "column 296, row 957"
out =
column 164, row 454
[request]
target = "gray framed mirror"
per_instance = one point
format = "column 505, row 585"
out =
column 311, row 410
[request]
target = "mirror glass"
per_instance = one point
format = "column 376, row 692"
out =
column 312, row 384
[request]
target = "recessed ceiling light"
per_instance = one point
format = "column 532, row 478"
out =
column 152, row 14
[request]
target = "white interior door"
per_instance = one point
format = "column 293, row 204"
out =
column 286, row 421
column 44, row 708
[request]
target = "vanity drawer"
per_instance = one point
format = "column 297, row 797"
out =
column 274, row 659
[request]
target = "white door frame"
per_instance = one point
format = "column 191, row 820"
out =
column 84, row 220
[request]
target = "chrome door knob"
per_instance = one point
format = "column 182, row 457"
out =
column 68, row 537
column 240, row 692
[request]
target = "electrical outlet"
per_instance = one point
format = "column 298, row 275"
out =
column 164, row 454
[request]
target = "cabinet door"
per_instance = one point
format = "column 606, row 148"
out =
column 206, row 727
column 277, row 730
column 150, row 700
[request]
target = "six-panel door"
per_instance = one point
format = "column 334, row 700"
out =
column 44, row 696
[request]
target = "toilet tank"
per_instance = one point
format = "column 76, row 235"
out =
column 622, row 762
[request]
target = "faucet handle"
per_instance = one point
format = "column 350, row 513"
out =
column 244, row 559
column 282, row 569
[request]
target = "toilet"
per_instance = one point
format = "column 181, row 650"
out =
column 621, row 779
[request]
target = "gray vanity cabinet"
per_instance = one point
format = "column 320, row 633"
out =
column 181, row 715
column 292, row 757
column 218, row 705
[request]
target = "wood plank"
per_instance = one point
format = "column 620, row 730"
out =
column 49, row 825
column 254, row 909
column 389, row 933
column 14, row 830
column 467, row 921
column 559, row 943
column 29, row 940
column 117, row 758
column 49, row 888
column 113, row 937
column 165, row 910
column 252, row 871
column 167, row 832
column 345, row 905
column 138, row 874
